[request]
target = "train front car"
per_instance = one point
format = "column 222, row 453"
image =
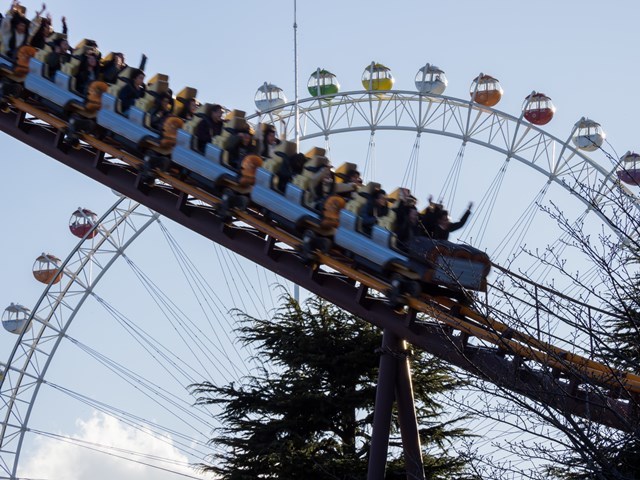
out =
column 440, row 267
column 453, row 266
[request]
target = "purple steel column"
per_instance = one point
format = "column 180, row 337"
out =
column 407, row 418
column 385, row 392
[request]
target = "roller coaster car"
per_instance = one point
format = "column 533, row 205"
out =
column 210, row 169
column 206, row 169
column 134, row 129
column 293, row 208
column 12, row 75
column 60, row 91
column 442, row 263
column 17, row 70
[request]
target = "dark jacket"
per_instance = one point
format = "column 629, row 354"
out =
column 205, row 131
column 85, row 77
column 110, row 72
column 405, row 230
column 370, row 213
column 128, row 96
column 238, row 150
column 436, row 232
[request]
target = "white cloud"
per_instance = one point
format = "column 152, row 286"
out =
column 64, row 459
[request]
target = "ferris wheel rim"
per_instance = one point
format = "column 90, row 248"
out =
column 46, row 326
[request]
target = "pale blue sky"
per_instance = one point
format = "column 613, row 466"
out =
column 580, row 53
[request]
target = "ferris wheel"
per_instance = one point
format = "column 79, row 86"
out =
column 508, row 165
column 471, row 151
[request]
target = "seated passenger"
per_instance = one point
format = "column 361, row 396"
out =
column 291, row 166
column 376, row 206
column 267, row 139
column 60, row 55
column 239, row 145
column 88, row 72
column 189, row 109
column 15, row 30
column 210, row 126
column 352, row 181
column 44, row 29
column 160, row 111
column 407, row 224
column 112, row 68
column 133, row 90
column 437, row 223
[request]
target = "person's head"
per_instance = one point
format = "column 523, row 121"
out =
column 92, row 61
column 60, row 45
column 192, row 106
column 137, row 78
column 270, row 136
column 21, row 25
column 46, row 27
column 353, row 176
column 380, row 198
column 245, row 136
column 163, row 102
column 118, row 60
column 216, row 113
column 297, row 161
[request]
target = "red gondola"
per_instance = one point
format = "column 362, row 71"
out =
column 538, row 108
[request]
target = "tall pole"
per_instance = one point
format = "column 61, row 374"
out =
column 296, row 287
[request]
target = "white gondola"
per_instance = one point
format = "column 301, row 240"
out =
column 430, row 79
column 588, row 135
column 15, row 319
column 269, row 97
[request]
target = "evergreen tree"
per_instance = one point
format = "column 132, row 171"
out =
column 308, row 414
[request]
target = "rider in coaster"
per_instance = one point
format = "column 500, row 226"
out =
column 377, row 206
column 437, row 223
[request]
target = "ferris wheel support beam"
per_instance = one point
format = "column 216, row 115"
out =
column 487, row 362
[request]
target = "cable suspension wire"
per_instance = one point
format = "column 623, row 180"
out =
column 450, row 185
column 515, row 237
column 410, row 177
column 186, row 443
column 164, row 356
column 151, row 390
column 120, row 453
column 485, row 209
column 176, row 318
column 203, row 291
column 369, row 170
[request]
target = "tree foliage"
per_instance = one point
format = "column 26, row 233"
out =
column 307, row 411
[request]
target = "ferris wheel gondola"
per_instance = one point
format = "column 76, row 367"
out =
column 430, row 79
column 630, row 172
column 486, row 90
column 269, row 97
column 45, row 268
column 377, row 77
column 15, row 319
column 322, row 82
column 538, row 108
column 82, row 222
column 588, row 135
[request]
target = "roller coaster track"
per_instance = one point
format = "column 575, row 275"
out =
column 459, row 335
